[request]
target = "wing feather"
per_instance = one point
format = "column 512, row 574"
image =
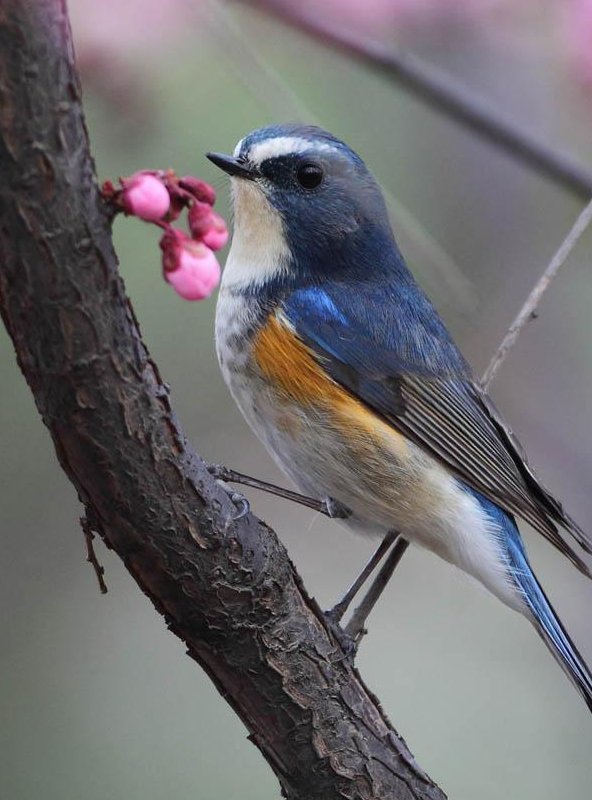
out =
column 478, row 456
column 390, row 350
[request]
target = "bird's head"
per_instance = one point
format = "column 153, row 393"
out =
column 304, row 205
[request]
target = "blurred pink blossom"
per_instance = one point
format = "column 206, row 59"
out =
column 129, row 27
column 578, row 26
column 374, row 14
column 118, row 42
column 112, row 38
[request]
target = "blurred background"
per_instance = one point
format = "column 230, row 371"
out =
column 97, row 699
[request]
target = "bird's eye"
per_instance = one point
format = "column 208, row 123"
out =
column 309, row 176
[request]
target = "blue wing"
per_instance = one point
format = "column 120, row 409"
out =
column 385, row 343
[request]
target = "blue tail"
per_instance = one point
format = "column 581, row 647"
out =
column 545, row 619
column 547, row 622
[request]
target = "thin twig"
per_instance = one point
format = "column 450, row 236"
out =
column 441, row 91
column 527, row 311
column 91, row 556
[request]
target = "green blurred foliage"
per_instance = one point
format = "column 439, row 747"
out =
column 97, row 699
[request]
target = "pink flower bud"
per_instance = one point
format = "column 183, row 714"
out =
column 198, row 218
column 199, row 189
column 207, row 225
column 217, row 236
column 145, row 196
column 170, row 244
column 190, row 267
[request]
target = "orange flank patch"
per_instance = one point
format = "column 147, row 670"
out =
column 292, row 368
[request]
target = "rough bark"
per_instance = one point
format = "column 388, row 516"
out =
column 226, row 588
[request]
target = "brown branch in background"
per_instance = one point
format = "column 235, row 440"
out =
column 527, row 312
column 442, row 92
column 226, row 587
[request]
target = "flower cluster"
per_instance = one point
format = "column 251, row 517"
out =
column 159, row 197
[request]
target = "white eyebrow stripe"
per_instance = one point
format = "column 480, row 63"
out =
column 284, row 146
column 237, row 149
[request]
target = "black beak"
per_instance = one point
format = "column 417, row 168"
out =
column 232, row 166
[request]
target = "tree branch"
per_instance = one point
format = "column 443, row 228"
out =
column 442, row 92
column 527, row 312
column 226, row 588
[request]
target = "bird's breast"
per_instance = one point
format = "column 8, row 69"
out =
column 315, row 429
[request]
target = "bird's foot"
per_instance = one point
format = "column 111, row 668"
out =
column 222, row 474
column 346, row 642
column 242, row 505
column 330, row 507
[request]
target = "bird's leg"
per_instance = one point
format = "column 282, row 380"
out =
column 329, row 507
column 354, row 630
column 355, row 627
column 336, row 613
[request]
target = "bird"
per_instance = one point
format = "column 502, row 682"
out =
column 343, row 368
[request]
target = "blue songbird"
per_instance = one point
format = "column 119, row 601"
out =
column 345, row 371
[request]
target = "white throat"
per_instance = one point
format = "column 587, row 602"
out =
column 259, row 250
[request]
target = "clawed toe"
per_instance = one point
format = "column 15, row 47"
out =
column 241, row 503
column 223, row 474
column 346, row 642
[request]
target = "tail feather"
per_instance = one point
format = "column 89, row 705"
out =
column 546, row 621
